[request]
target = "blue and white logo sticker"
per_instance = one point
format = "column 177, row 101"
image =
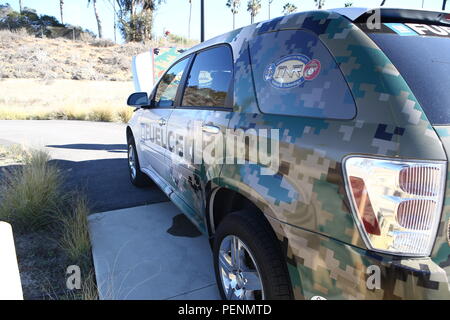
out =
column 401, row 29
column 291, row 71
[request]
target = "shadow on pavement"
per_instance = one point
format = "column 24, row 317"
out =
column 107, row 185
column 104, row 181
column 5, row 168
column 183, row 227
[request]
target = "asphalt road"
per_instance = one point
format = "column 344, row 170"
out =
column 92, row 156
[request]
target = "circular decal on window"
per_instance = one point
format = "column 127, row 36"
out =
column 291, row 71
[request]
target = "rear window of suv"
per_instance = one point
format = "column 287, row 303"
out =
column 296, row 75
column 424, row 62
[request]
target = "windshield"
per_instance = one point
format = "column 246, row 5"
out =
column 424, row 63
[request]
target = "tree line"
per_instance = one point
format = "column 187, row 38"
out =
column 35, row 24
column 134, row 18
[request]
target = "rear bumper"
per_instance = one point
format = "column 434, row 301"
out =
column 320, row 266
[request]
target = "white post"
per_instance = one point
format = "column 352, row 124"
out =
column 10, row 285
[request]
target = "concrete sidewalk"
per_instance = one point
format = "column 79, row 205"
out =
column 151, row 252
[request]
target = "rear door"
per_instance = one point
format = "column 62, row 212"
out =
column 201, row 118
column 154, row 121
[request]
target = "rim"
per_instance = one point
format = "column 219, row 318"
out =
column 239, row 272
column 132, row 162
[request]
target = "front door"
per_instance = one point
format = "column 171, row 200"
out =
column 154, row 121
column 202, row 116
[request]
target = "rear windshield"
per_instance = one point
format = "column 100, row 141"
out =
column 424, row 62
column 295, row 75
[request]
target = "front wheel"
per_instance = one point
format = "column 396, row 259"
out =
column 137, row 178
column 247, row 260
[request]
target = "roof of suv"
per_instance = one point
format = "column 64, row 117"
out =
column 354, row 14
column 397, row 14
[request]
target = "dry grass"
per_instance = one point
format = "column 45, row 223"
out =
column 45, row 79
column 24, row 99
column 102, row 43
column 32, row 200
column 75, row 232
column 125, row 114
column 30, row 194
column 24, row 56
column 12, row 155
column 75, row 242
column 101, row 114
column 88, row 291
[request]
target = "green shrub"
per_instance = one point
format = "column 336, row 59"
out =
column 30, row 194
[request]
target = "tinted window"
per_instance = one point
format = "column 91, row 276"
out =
column 209, row 78
column 295, row 74
column 424, row 62
column 167, row 88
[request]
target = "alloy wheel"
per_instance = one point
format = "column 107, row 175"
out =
column 240, row 275
column 132, row 161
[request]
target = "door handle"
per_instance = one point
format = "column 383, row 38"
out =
column 162, row 122
column 210, row 129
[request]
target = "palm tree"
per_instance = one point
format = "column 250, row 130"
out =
column 190, row 16
column 348, row 4
column 97, row 17
column 382, row 3
column 444, row 3
column 289, row 8
column 135, row 18
column 270, row 2
column 20, row 6
column 319, row 3
column 115, row 22
column 234, row 6
column 61, row 5
column 253, row 6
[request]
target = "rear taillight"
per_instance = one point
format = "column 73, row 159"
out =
column 420, row 180
column 364, row 206
column 397, row 204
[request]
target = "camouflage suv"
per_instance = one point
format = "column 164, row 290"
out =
column 312, row 149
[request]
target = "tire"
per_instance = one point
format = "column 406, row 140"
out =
column 137, row 178
column 264, row 255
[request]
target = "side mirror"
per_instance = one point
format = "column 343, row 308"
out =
column 138, row 100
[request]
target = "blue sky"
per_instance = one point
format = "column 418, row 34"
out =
column 173, row 15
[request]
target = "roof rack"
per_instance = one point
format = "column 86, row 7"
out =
column 395, row 15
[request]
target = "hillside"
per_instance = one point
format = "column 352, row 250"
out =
column 42, row 78
column 24, row 56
